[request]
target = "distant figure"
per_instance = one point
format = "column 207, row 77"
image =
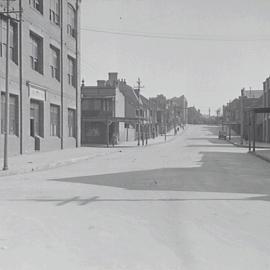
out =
column 142, row 137
column 153, row 133
column 146, row 138
column 114, row 139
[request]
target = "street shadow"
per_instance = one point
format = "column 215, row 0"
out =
column 95, row 199
column 211, row 145
column 210, row 140
column 213, row 129
column 219, row 172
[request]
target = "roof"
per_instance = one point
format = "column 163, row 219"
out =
column 97, row 92
column 129, row 93
column 261, row 110
column 253, row 93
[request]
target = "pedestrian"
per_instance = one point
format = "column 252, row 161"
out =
column 142, row 137
column 114, row 139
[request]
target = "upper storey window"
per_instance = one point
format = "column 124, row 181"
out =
column 71, row 21
column 36, row 56
column 13, row 41
column 37, row 4
column 55, row 11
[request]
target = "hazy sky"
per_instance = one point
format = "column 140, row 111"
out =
column 226, row 46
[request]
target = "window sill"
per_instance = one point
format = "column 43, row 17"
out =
column 36, row 71
column 11, row 135
column 35, row 10
column 54, row 24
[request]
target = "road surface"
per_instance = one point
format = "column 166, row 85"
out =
column 193, row 203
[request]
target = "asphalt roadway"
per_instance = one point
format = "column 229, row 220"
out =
column 195, row 202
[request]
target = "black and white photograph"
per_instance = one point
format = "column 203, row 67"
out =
column 134, row 135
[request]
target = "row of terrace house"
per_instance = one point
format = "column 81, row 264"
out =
column 194, row 116
column 112, row 108
column 236, row 114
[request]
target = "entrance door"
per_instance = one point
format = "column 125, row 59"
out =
column 36, row 118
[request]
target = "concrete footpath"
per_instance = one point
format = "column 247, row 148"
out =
column 262, row 149
column 39, row 161
column 236, row 140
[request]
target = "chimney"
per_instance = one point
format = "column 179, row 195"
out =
column 101, row 83
column 113, row 78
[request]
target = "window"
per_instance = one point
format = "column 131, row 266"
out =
column 36, row 57
column 36, row 118
column 71, row 22
column 55, row 63
column 85, row 105
column 71, row 123
column 13, row 114
column 3, row 37
column 96, row 104
column 13, row 42
column 55, row 120
column 37, row 4
column 71, row 71
column 55, row 11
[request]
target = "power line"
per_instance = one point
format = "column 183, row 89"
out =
column 167, row 36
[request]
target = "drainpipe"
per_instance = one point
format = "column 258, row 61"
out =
column 77, row 79
column 20, row 76
column 61, row 77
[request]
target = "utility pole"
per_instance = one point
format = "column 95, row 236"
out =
column 7, row 13
column 7, row 92
column 139, row 86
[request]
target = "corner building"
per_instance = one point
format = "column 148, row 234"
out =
column 44, row 76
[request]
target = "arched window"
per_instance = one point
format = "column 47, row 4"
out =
column 71, row 21
column 55, row 11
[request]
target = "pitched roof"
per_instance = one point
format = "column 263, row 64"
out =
column 253, row 93
column 129, row 93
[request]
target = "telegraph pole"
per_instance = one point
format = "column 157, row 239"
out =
column 139, row 86
column 5, row 167
column 7, row 13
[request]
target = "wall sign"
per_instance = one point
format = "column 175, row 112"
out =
column 36, row 93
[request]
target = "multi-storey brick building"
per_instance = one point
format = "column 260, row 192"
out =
column 44, row 76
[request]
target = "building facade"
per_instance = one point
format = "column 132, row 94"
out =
column 236, row 114
column 266, row 116
column 102, row 108
column 128, row 114
column 194, row 116
column 44, row 64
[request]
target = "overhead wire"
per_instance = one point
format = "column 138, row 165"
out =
column 187, row 37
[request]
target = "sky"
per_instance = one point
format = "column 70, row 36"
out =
column 206, row 50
